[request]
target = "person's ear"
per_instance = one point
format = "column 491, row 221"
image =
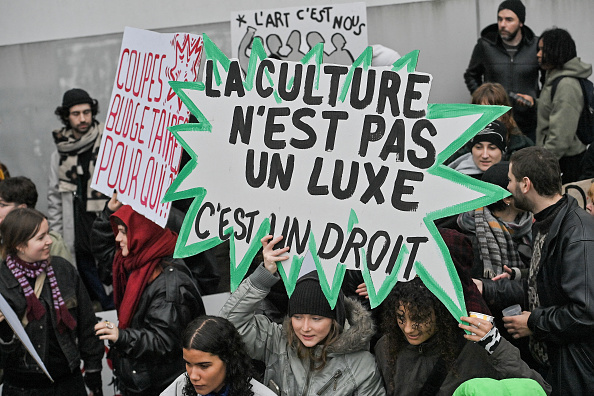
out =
column 526, row 185
column 23, row 205
column 507, row 200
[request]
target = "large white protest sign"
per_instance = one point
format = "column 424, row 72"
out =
column 139, row 158
column 289, row 33
column 344, row 162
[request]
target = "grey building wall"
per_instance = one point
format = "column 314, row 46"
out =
column 34, row 75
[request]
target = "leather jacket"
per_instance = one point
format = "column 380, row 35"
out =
column 490, row 62
column 565, row 318
column 77, row 344
column 147, row 355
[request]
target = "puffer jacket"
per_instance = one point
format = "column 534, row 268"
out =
column 490, row 62
column 416, row 362
column 177, row 388
column 565, row 318
column 350, row 368
column 147, row 355
column 77, row 344
column 558, row 118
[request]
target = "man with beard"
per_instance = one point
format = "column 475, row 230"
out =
column 72, row 204
column 558, row 295
column 505, row 54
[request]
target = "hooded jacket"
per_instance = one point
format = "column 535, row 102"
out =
column 350, row 368
column 490, row 62
column 558, row 118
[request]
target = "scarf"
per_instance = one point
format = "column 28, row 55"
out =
column 498, row 240
column 35, row 310
column 148, row 243
column 69, row 171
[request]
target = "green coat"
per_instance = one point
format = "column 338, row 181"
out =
column 558, row 119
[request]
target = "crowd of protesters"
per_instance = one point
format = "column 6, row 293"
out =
column 531, row 248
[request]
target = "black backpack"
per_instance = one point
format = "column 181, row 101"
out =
column 585, row 129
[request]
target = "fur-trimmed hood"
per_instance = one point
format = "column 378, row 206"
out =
column 357, row 332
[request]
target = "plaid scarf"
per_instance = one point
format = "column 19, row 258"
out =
column 69, row 173
column 35, row 310
column 498, row 240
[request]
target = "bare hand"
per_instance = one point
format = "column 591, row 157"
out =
column 517, row 326
column 477, row 327
column 271, row 256
column 479, row 285
column 113, row 203
column 528, row 98
column 362, row 290
column 505, row 274
column 107, row 331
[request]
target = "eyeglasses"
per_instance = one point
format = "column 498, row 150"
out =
column 78, row 113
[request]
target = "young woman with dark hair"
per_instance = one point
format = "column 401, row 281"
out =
column 49, row 297
column 216, row 362
column 558, row 114
column 313, row 352
column 425, row 351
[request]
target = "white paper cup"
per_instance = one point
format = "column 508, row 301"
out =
column 512, row 310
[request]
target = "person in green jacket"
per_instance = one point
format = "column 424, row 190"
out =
column 558, row 115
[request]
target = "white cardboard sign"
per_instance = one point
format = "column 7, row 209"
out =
column 139, row 158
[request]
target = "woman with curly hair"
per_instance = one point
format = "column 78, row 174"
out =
column 313, row 352
column 216, row 362
column 424, row 350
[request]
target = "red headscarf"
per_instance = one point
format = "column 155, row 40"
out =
column 148, row 243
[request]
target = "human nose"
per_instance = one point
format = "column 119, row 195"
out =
column 306, row 324
column 408, row 327
column 119, row 237
column 485, row 153
column 194, row 374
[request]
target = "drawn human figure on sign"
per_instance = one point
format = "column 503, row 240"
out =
column 294, row 43
column 314, row 38
column 341, row 55
column 274, row 44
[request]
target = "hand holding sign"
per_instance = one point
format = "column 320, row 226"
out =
column 271, row 256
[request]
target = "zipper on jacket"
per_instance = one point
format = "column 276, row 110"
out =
column 334, row 380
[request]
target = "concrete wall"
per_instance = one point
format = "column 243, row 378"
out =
column 35, row 72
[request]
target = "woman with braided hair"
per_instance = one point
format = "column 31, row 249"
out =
column 217, row 362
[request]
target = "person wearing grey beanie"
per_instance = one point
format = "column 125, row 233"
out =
column 319, row 349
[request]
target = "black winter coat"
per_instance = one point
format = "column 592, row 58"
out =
column 565, row 283
column 147, row 356
column 490, row 62
column 77, row 344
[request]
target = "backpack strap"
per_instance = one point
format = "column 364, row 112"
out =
column 554, row 86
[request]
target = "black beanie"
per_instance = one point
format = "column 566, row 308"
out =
column 494, row 133
column 75, row 97
column 497, row 174
column 516, row 6
column 308, row 298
